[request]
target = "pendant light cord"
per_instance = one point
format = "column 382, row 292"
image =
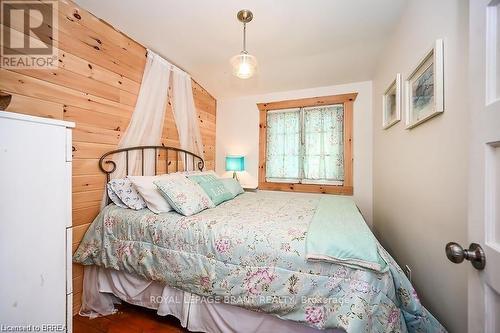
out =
column 244, row 38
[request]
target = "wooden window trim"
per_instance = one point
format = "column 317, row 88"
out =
column 348, row 101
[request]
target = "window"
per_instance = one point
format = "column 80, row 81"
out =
column 306, row 145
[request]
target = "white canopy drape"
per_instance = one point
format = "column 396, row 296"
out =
column 146, row 125
column 185, row 114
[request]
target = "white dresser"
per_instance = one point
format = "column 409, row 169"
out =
column 35, row 223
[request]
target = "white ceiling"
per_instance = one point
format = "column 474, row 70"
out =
column 298, row 43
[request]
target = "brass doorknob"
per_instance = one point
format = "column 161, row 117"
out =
column 474, row 254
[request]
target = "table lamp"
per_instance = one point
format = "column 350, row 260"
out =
column 235, row 163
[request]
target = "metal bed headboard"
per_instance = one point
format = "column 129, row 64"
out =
column 197, row 161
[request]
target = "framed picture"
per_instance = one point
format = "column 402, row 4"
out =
column 424, row 88
column 391, row 103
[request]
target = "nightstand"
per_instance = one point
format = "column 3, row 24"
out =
column 249, row 188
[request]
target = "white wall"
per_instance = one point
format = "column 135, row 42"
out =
column 238, row 134
column 420, row 175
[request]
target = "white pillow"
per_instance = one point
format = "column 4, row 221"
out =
column 150, row 193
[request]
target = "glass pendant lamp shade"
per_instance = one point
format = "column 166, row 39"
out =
column 244, row 65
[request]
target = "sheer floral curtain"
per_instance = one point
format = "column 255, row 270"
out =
column 283, row 146
column 323, row 144
column 306, row 145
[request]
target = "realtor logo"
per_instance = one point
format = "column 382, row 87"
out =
column 29, row 34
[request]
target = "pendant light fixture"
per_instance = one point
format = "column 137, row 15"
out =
column 244, row 64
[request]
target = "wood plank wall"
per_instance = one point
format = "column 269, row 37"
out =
column 96, row 85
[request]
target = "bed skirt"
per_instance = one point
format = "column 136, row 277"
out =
column 104, row 287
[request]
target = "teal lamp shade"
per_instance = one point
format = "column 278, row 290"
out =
column 235, row 163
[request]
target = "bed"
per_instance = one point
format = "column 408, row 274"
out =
column 243, row 264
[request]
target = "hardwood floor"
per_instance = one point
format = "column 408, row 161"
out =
column 128, row 319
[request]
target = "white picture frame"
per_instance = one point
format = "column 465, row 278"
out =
column 391, row 103
column 424, row 88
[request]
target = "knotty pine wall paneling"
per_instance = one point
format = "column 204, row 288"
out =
column 95, row 85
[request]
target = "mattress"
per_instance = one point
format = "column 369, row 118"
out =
column 250, row 252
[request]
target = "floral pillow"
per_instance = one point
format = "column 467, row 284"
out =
column 114, row 197
column 126, row 193
column 183, row 194
column 213, row 187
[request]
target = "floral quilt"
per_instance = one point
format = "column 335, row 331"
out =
column 250, row 252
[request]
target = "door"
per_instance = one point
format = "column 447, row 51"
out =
column 484, row 174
